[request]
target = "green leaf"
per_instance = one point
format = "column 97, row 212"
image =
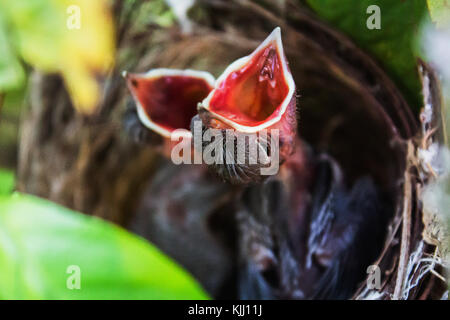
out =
column 439, row 12
column 40, row 242
column 6, row 181
column 12, row 75
column 393, row 45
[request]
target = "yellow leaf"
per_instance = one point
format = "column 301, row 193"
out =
column 90, row 53
column 440, row 12
column 72, row 37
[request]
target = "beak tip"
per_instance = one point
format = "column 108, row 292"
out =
column 277, row 32
column 274, row 37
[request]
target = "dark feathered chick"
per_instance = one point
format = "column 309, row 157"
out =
column 316, row 248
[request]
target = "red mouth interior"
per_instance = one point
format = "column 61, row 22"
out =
column 252, row 94
column 170, row 101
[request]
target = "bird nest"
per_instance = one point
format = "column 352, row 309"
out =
column 348, row 107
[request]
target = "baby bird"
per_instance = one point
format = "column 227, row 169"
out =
column 318, row 247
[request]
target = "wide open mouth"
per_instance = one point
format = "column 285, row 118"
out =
column 167, row 99
column 254, row 91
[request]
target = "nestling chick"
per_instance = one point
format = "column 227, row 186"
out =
column 316, row 248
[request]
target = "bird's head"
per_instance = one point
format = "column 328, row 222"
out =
column 253, row 103
column 166, row 100
column 243, row 124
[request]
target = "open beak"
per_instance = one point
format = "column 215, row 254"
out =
column 255, row 93
column 167, row 99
